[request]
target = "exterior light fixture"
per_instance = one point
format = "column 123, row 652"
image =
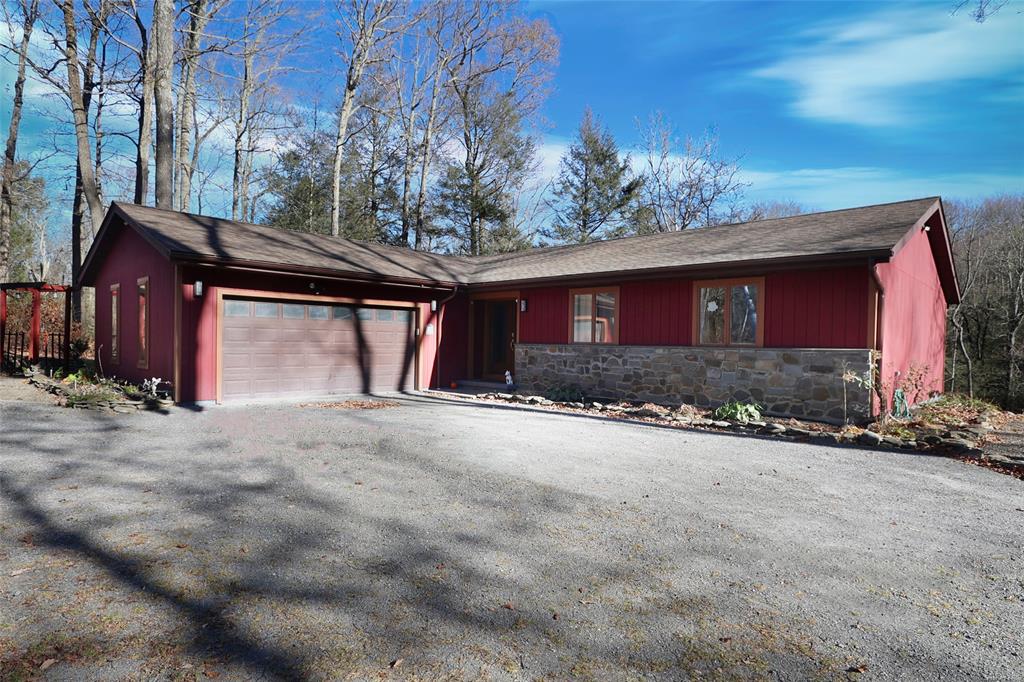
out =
column 522, row 305
column 197, row 288
column 433, row 305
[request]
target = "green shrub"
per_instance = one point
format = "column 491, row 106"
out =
column 566, row 394
column 736, row 411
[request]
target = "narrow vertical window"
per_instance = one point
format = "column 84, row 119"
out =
column 142, row 291
column 115, row 323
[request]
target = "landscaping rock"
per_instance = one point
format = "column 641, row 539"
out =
column 597, row 406
column 647, row 412
column 774, row 429
column 870, row 438
column 795, row 431
column 720, row 424
column 957, row 443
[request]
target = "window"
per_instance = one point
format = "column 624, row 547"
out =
column 264, row 309
column 365, row 314
column 294, row 311
column 728, row 312
column 318, row 312
column 237, row 308
column 385, row 315
column 595, row 314
column 342, row 312
column 142, row 293
column 402, row 316
column 115, row 323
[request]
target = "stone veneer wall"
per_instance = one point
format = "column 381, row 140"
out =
column 791, row 382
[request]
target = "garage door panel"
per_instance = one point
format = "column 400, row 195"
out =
column 309, row 349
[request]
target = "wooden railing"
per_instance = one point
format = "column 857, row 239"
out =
column 13, row 347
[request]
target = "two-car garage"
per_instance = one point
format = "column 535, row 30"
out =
column 294, row 348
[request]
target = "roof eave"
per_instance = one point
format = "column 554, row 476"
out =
column 301, row 270
column 721, row 267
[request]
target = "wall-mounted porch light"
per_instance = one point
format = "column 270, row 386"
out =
column 433, row 305
column 522, row 305
column 197, row 288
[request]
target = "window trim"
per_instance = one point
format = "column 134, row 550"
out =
column 614, row 290
column 727, row 311
column 144, row 336
column 115, row 324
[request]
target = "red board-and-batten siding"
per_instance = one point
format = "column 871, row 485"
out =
column 821, row 308
column 135, row 259
column 913, row 312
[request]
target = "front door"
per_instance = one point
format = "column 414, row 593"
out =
column 499, row 339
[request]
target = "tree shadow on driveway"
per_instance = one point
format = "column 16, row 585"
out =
column 304, row 544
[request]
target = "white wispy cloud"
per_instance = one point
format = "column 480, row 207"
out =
column 874, row 71
column 843, row 187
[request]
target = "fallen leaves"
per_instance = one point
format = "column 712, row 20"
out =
column 353, row 405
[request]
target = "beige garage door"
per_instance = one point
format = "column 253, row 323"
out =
column 272, row 349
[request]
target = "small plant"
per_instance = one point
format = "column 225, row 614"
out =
column 565, row 394
column 734, row 410
column 863, row 380
column 78, row 347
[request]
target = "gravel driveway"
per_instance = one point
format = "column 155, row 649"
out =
column 446, row 540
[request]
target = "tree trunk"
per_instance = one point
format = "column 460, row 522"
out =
column 31, row 12
column 184, row 168
column 163, row 42
column 428, row 134
column 347, row 107
column 79, row 110
column 145, row 121
column 241, row 128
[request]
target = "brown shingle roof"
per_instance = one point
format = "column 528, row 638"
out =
column 867, row 231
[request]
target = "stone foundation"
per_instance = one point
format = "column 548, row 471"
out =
column 802, row 383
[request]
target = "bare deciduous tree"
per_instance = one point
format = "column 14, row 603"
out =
column 28, row 13
column 687, row 183
column 364, row 27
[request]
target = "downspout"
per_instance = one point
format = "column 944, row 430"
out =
column 877, row 322
column 437, row 335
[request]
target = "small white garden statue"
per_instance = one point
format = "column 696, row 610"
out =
column 150, row 386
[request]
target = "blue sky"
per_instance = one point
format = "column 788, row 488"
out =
column 830, row 104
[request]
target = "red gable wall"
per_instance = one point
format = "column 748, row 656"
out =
column 913, row 317
column 131, row 258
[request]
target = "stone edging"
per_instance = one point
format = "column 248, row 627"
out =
column 959, row 443
column 124, row 405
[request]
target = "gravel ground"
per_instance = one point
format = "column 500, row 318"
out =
column 446, row 540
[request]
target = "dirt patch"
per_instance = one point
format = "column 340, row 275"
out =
column 18, row 389
column 353, row 405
